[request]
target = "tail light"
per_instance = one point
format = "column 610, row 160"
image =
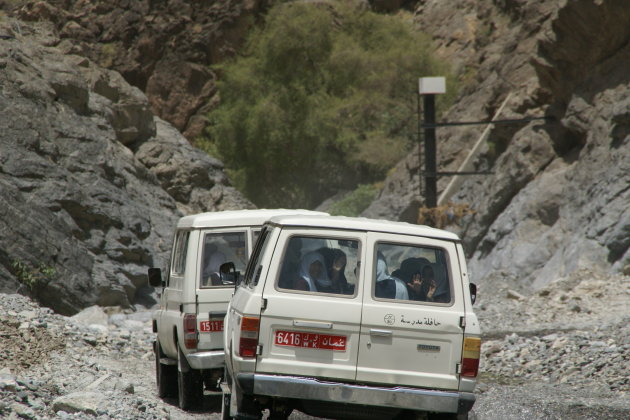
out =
column 470, row 356
column 190, row 331
column 249, row 336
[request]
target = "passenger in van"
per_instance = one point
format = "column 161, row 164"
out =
column 387, row 286
column 291, row 264
column 425, row 287
column 336, row 261
column 313, row 274
column 442, row 292
column 409, row 267
column 214, row 259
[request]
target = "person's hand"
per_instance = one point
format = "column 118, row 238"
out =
column 416, row 283
column 431, row 292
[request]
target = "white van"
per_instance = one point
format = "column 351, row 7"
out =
column 351, row 318
column 194, row 297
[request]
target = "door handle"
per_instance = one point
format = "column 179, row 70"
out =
column 381, row 333
column 312, row 324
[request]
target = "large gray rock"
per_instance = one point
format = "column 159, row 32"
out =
column 189, row 175
column 82, row 218
column 558, row 199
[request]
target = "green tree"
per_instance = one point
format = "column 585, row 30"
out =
column 322, row 100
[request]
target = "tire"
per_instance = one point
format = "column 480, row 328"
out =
column 189, row 385
column 165, row 375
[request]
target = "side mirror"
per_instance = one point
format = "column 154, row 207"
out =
column 228, row 273
column 155, row 277
column 473, row 292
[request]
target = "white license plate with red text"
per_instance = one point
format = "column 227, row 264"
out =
column 310, row 340
column 211, row 326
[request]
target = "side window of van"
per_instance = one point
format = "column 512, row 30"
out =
column 255, row 235
column 254, row 266
column 178, row 265
column 220, row 247
column 411, row 273
column 320, row 265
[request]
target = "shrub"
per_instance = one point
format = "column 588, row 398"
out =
column 322, row 100
column 355, row 202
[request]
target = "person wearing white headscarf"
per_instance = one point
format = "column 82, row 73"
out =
column 211, row 270
column 387, row 286
column 313, row 273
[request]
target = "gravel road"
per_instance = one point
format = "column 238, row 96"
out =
column 560, row 353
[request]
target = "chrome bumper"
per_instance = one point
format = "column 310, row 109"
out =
column 395, row 397
column 206, row 359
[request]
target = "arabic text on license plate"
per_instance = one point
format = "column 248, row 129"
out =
column 210, row 326
column 310, row 340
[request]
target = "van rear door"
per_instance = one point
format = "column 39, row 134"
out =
column 312, row 333
column 215, row 247
column 404, row 338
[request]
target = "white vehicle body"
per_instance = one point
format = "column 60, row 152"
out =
column 194, row 298
column 361, row 349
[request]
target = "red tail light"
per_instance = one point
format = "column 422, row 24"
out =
column 190, row 331
column 249, row 336
column 470, row 356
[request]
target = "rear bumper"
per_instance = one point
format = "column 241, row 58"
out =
column 206, row 359
column 395, row 397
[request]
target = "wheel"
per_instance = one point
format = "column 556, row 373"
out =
column 189, row 384
column 165, row 375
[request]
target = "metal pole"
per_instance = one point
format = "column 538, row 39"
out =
column 430, row 154
column 419, row 148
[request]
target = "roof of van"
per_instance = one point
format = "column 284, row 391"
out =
column 238, row 217
column 364, row 224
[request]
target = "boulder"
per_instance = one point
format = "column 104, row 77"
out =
column 83, row 214
column 557, row 198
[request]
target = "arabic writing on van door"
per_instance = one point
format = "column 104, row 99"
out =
column 427, row 321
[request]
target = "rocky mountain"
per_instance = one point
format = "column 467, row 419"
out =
column 95, row 95
column 558, row 196
column 91, row 181
column 164, row 48
column 94, row 171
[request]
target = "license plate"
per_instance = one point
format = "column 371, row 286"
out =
column 211, row 326
column 310, row 340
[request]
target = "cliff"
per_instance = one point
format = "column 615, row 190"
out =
column 557, row 198
column 91, row 181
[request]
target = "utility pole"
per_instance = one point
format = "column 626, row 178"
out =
column 428, row 88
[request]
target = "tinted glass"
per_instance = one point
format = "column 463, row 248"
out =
column 179, row 255
column 411, row 273
column 254, row 267
column 320, row 265
column 219, row 248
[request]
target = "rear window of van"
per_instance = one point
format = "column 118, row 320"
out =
column 411, row 273
column 320, row 265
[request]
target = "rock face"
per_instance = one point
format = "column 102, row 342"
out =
column 557, row 200
column 164, row 48
column 91, row 182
